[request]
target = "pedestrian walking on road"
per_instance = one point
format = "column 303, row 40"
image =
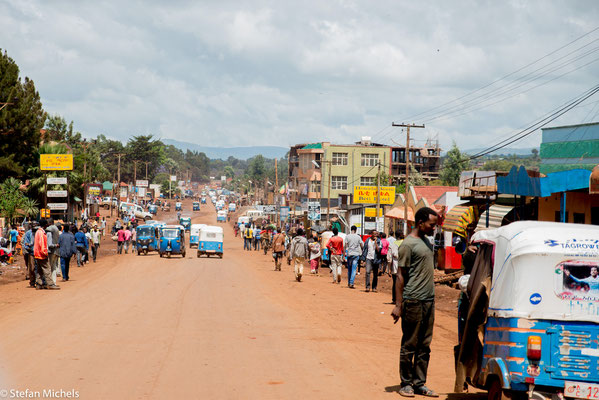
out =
column 66, row 249
column 335, row 246
column 53, row 257
column 257, row 237
column 353, row 246
column 127, row 234
column 82, row 246
column 278, row 248
column 299, row 251
column 96, row 236
column 314, row 253
column 120, row 240
column 371, row 255
column 13, row 234
column 416, row 304
column 40, row 252
column 247, row 238
column 28, row 253
column 393, row 264
column 384, row 251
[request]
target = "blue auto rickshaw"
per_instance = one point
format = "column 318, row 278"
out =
column 178, row 206
column 185, row 222
column 532, row 323
column 153, row 209
column 172, row 240
column 194, row 235
column 203, row 200
column 147, row 239
column 196, row 206
column 211, row 241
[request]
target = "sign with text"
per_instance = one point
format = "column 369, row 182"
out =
column 371, row 212
column 269, row 209
column 56, row 162
column 56, row 181
column 57, row 206
column 284, row 213
column 173, row 178
column 141, row 183
column 314, row 211
column 94, row 189
column 57, row 193
column 368, row 194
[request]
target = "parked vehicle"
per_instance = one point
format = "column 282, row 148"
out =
column 137, row 210
column 178, row 206
column 211, row 241
column 243, row 220
column 534, row 293
column 196, row 206
column 185, row 222
column 203, row 200
column 147, row 238
column 153, row 209
column 194, row 235
column 221, row 216
column 172, row 240
column 232, row 207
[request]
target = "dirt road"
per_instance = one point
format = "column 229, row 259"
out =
column 146, row 327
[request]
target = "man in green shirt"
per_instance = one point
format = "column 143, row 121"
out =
column 415, row 304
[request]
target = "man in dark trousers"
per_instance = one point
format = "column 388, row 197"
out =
column 415, row 304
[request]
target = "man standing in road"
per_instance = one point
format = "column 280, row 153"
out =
column 371, row 255
column 335, row 246
column 127, row 238
column 120, row 240
column 353, row 246
column 95, row 241
column 82, row 245
column 40, row 252
column 66, row 250
column 53, row 257
column 278, row 248
column 28, row 254
column 247, row 238
column 415, row 295
column 299, row 252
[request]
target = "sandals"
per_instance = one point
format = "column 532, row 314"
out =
column 406, row 391
column 424, row 391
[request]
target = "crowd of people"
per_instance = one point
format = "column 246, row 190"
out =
column 409, row 261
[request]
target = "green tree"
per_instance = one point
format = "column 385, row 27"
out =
column 20, row 120
column 12, row 200
column 257, row 168
column 416, row 178
column 455, row 162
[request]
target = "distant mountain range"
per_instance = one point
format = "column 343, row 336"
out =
column 526, row 151
column 242, row 153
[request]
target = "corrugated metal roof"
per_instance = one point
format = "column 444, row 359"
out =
column 496, row 214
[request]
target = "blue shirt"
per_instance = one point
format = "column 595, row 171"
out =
column 13, row 235
column 81, row 239
column 592, row 282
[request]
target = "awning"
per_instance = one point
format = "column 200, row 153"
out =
column 399, row 213
column 496, row 214
column 459, row 218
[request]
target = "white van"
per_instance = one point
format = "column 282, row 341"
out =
column 254, row 213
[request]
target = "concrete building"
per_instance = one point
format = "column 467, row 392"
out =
column 425, row 159
column 312, row 166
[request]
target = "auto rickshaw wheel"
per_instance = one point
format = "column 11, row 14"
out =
column 495, row 391
column 145, row 252
column 221, row 255
column 183, row 254
column 168, row 254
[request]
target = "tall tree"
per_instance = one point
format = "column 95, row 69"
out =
column 20, row 120
column 455, row 162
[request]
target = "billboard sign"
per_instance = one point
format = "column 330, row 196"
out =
column 56, row 162
column 314, row 211
column 141, row 183
column 173, row 178
column 284, row 213
column 368, row 194
column 57, row 206
column 371, row 212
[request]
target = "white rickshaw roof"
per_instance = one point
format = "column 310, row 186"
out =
column 212, row 228
column 529, row 260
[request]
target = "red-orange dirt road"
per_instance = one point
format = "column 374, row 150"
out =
column 141, row 327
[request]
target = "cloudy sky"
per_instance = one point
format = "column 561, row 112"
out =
column 241, row 73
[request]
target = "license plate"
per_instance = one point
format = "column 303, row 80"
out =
column 210, row 251
column 581, row 390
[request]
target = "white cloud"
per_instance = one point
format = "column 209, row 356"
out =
column 231, row 73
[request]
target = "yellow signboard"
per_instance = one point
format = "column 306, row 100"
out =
column 371, row 212
column 56, row 162
column 368, row 194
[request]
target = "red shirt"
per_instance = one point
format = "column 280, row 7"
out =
column 335, row 245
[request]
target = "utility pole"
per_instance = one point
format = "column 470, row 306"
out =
column 405, row 208
column 170, row 174
column 135, row 178
column 378, row 193
column 329, row 163
column 146, row 162
column 118, row 196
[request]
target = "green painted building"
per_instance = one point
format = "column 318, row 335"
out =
column 569, row 147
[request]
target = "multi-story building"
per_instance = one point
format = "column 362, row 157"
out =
column 425, row 159
column 313, row 166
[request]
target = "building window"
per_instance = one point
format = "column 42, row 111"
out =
column 305, row 161
column 339, row 158
column 339, row 182
column 315, row 186
column 366, row 181
column 578, row 218
column 370, row 160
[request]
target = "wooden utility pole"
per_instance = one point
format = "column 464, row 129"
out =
column 118, row 196
column 146, row 162
column 275, row 193
column 378, row 193
column 407, row 190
